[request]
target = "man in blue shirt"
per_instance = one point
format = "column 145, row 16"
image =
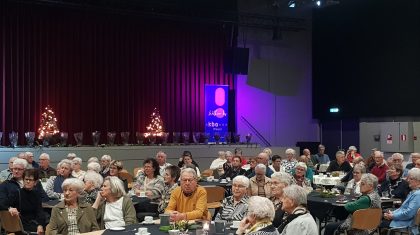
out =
column 321, row 157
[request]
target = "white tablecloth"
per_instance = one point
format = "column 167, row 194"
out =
column 324, row 180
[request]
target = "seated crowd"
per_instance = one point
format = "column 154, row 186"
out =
column 266, row 198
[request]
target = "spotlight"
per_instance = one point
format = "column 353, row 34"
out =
column 318, row 3
column 292, row 4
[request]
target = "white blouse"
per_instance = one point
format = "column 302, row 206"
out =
column 113, row 216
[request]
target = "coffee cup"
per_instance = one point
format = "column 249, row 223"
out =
column 236, row 223
column 142, row 194
column 173, row 232
column 228, row 179
column 223, row 181
column 164, row 219
column 148, row 219
column 142, row 231
column 220, row 226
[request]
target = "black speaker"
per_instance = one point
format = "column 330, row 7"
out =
column 236, row 60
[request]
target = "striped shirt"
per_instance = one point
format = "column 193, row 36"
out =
column 230, row 211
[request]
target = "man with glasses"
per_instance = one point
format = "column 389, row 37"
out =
column 189, row 201
column 380, row 168
column 45, row 170
column 7, row 173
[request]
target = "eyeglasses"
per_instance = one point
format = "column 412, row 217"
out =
column 187, row 180
column 18, row 169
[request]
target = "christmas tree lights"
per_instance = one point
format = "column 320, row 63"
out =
column 155, row 128
column 48, row 126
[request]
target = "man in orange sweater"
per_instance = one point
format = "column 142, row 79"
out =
column 189, row 201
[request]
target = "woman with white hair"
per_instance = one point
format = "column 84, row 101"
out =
column 260, row 185
column 105, row 163
column 290, row 162
column 234, row 207
column 53, row 187
column 113, row 207
column 352, row 154
column 76, row 166
column 279, row 181
column 298, row 220
column 299, row 177
column 354, row 184
column 217, row 163
column 94, row 166
column 93, row 159
column 258, row 220
column 369, row 199
column 72, row 216
column 406, row 214
column 93, row 182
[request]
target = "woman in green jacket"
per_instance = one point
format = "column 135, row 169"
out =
column 113, row 207
column 71, row 216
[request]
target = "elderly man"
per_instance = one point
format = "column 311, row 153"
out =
column 321, row 157
column 262, row 158
column 189, row 201
column 414, row 158
column 105, row 163
column 380, row 168
column 418, row 164
column 340, row 163
column 310, row 163
column 45, row 170
column 161, row 159
column 406, row 214
column 30, row 158
column 7, row 174
column 260, row 184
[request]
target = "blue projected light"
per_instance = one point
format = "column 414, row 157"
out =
column 334, row 110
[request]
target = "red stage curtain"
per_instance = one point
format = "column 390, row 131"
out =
column 103, row 71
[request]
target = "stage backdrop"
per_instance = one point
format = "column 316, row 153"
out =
column 104, row 71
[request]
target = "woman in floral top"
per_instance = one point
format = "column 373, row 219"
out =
column 170, row 177
column 235, row 206
column 299, row 177
column 150, row 181
column 289, row 164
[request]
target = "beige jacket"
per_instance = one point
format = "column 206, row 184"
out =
column 253, row 187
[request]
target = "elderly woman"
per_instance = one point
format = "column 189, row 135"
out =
column 258, row 219
column 26, row 203
column 72, row 216
column 279, row 181
column 309, row 172
column 298, row 220
column 290, row 162
column 406, row 214
column 77, row 168
column 217, row 163
column 260, row 185
column 94, row 166
column 170, row 178
column 113, row 207
column 251, row 171
column 354, row 184
column 187, row 161
column 394, row 186
column 235, row 207
column 369, row 199
column 53, row 187
column 276, row 164
column 299, row 177
column 115, row 167
column 150, row 181
column 105, row 162
column 93, row 182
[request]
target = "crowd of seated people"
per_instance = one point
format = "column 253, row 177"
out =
column 264, row 202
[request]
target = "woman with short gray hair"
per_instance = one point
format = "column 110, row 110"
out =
column 354, row 184
column 279, row 181
column 258, row 220
column 93, row 182
column 234, row 207
column 53, row 186
column 72, row 216
column 94, row 166
column 76, row 166
column 298, row 220
column 290, row 162
column 299, row 177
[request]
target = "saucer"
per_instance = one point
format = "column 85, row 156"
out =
column 385, row 198
column 233, row 227
column 117, row 228
column 223, row 182
column 338, row 201
column 142, row 233
column 145, row 222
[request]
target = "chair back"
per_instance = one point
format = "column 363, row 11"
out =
column 366, row 219
column 215, row 193
column 207, row 173
column 10, row 223
column 136, row 170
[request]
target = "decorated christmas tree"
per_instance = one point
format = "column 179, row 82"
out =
column 48, row 126
column 155, row 128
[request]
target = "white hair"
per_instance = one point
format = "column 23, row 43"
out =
column 94, row 166
column 221, row 153
column 282, row 177
column 359, row 167
column 242, row 180
column 296, row 193
column 370, row 179
column 77, row 159
column 29, row 154
column 397, row 155
column 93, row 159
column 64, row 161
column 268, row 151
column 414, row 173
column 106, row 158
column 96, row 178
column 71, row 155
column 261, row 167
column 228, row 154
column 190, row 171
column 353, row 148
column 12, row 159
column 116, row 185
column 261, row 208
column 20, row 161
column 45, row 155
column 74, row 182
column 340, row 153
column 161, row 153
column 290, row 151
column 301, row 164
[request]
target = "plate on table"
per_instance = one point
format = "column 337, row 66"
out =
column 117, row 229
column 233, row 227
column 345, row 201
column 150, row 222
column 142, row 233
